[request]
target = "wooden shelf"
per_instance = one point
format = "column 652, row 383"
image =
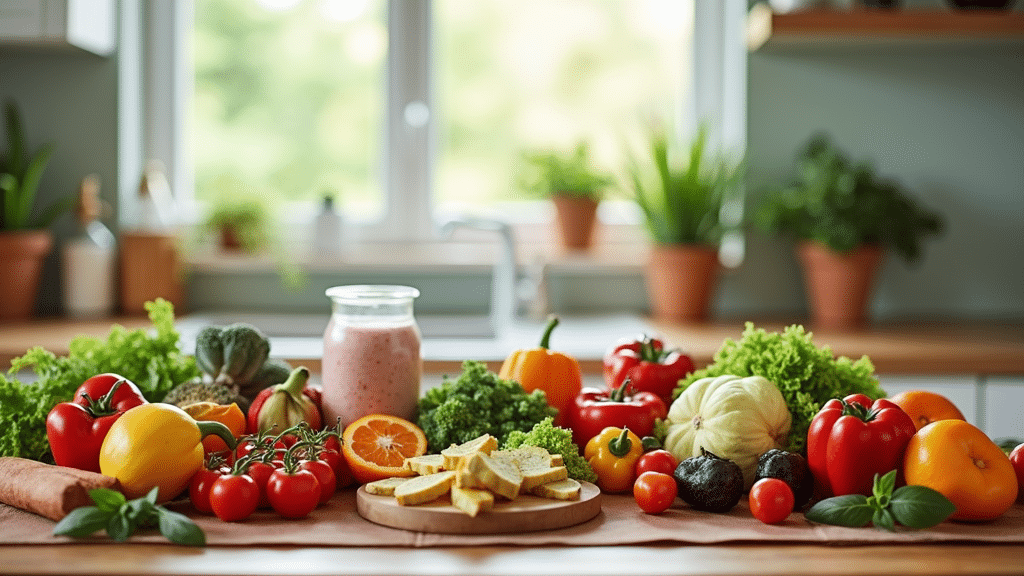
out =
column 822, row 28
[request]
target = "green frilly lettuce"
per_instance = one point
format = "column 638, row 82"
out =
column 806, row 375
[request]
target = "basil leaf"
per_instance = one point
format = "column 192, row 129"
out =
column 107, row 499
column 82, row 522
column 920, row 507
column 179, row 529
column 152, row 494
column 884, row 520
column 119, row 528
column 851, row 510
column 142, row 512
column 883, row 486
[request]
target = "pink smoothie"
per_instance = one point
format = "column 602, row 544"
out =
column 370, row 369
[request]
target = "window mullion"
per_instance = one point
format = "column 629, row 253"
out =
column 409, row 141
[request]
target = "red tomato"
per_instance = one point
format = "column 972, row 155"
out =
column 234, row 497
column 324, row 476
column 656, row 461
column 1017, row 459
column 199, row 489
column 654, row 492
column 342, row 475
column 771, row 500
column 260, row 472
column 293, row 495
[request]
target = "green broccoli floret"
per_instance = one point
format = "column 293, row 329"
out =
column 556, row 440
column 806, row 375
column 478, row 403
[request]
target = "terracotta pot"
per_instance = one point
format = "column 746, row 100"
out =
column 681, row 280
column 21, row 265
column 577, row 218
column 839, row 284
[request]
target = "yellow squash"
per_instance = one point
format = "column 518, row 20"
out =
column 159, row 445
column 557, row 374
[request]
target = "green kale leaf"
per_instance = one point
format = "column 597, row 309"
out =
column 556, row 440
column 478, row 402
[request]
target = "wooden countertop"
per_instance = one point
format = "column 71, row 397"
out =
column 656, row 560
column 908, row 348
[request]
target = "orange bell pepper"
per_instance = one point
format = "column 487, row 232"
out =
column 557, row 374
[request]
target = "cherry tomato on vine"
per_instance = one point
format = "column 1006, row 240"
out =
column 654, row 492
column 293, row 495
column 342, row 475
column 260, row 472
column 234, row 497
column 324, row 477
column 771, row 500
column 199, row 489
column 656, row 461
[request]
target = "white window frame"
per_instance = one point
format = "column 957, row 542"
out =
column 165, row 87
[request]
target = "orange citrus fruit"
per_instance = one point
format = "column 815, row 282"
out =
column 229, row 415
column 925, row 407
column 958, row 460
column 376, row 446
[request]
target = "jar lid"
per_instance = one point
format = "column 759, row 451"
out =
column 368, row 293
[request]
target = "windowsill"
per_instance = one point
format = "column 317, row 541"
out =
column 618, row 251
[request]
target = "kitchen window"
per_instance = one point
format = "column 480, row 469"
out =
column 410, row 112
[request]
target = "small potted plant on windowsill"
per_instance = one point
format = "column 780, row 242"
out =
column 575, row 188
column 242, row 225
column 25, row 238
column 844, row 218
column 682, row 205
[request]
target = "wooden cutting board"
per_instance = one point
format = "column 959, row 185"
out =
column 524, row 514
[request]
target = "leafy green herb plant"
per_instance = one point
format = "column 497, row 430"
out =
column 911, row 506
column 552, row 173
column 682, row 204
column 248, row 219
column 20, row 173
column 121, row 518
column 842, row 205
column 806, row 375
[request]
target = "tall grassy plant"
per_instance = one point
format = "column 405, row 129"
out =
column 20, row 173
column 550, row 173
column 683, row 204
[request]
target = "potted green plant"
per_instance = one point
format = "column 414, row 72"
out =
column 25, row 239
column 844, row 218
column 574, row 187
column 242, row 225
column 682, row 206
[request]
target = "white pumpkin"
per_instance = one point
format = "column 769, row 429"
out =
column 734, row 418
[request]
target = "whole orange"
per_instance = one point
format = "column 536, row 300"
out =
column 925, row 407
column 958, row 460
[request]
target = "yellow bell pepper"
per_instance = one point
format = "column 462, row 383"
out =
column 557, row 374
column 159, row 445
column 613, row 454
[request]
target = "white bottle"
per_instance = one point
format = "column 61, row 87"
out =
column 89, row 259
column 327, row 230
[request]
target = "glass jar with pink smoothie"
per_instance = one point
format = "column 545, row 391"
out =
column 371, row 361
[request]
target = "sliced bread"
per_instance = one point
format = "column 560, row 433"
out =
column 385, row 487
column 426, row 464
column 472, row 501
column 499, row 476
column 422, row 489
column 456, row 454
column 567, row 489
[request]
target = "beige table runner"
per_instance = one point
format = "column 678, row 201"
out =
column 620, row 523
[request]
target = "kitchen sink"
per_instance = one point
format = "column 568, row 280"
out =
column 445, row 337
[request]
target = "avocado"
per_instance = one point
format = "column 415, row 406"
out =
column 709, row 483
column 791, row 468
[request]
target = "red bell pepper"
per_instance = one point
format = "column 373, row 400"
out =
column 851, row 440
column 648, row 366
column 76, row 429
column 595, row 409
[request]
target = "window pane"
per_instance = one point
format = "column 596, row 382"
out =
column 288, row 100
column 537, row 74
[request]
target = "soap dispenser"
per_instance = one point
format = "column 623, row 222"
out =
column 327, row 230
column 89, row 258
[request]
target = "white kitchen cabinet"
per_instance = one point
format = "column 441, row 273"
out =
column 85, row 24
column 1004, row 406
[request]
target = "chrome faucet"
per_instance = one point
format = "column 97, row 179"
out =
column 506, row 293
